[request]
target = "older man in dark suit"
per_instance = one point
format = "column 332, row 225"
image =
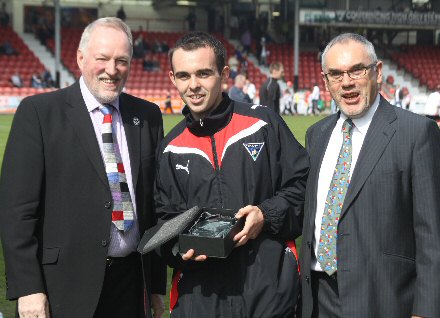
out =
column 76, row 191
column 372, row 221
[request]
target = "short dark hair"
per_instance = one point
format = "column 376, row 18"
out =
column 275, row 66
column 195, row 40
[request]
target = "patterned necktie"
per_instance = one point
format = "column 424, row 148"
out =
column 327, row 256
column 122, row 215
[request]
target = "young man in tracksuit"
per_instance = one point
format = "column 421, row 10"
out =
column 228, row 154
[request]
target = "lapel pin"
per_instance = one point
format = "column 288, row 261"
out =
column 136, row 121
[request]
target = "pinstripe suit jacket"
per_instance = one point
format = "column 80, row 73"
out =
column 389, row 229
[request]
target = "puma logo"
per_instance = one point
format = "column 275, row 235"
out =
column 180, row 167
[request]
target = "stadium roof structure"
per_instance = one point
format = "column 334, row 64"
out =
column 162, row 3
column 168, row 3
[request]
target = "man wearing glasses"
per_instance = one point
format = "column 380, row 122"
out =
column 372, row 221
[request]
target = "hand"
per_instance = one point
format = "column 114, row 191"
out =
column 32, row 306
column 253, row 225
column 157, row 305
column 190, row 255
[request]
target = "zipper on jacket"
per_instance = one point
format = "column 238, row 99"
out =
column 217, row 169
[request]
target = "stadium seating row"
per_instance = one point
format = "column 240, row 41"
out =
column 24, row 62
column 422, row 62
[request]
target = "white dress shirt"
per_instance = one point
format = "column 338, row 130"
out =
column 329, row 162
column 120, row 244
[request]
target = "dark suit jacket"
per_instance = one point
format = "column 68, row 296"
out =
column 389, row 229
column 55, row 199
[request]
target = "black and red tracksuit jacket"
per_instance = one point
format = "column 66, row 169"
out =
column 238, row 155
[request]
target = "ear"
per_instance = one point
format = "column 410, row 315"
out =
column 325, row 81
column 379, row 72
column 80, row 59
column 225, row 74
column 172, row 78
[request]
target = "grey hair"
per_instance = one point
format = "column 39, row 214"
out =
column 344, row 38
column 111, row 22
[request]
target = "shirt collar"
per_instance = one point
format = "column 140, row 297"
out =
column 90, row 100
column 363, row 122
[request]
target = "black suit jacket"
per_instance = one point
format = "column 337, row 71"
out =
column 55, row 211
column 389, row 229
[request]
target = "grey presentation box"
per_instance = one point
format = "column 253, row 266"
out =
column 182, row 224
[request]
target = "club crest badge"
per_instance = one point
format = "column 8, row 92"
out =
column 136, row 121
column 254, row 149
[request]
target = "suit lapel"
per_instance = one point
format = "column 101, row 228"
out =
column 132, row 126
column 316, row 156
column 378, row 137
column 79, row 118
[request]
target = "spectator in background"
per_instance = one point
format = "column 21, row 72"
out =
column 270, row 93
column 315, row 97
column 150, row 63
column 390, row 80
column 406, row 98
column 264, row 53
column 47, row 79
column 234, row 65
column 36, row 81
column 225, row 88
column 432, row 106
column 287, row 102
column 16, row 80
column 191, row 19
column 307, row 100
column 165, row 47
column 4, row 16
column 42, row 32
column 233, row 26
column 140, row 46
column 238, row 92
column 246, row 41
column 250, row 88
column 157, row 46
column 220, row 24
column 121, row 13
column 321, row 48
column 296, row 101
column 398, row 96
column 7, row 49
column 168, row 106
column 333, row 106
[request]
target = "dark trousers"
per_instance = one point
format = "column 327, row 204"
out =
column 122, row 294
column 326, row 302
column 314, row 106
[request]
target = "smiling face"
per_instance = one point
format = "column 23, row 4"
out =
column 105, row 63
column 198, row 80
column 353, row 97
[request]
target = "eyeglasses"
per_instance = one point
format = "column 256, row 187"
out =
column 355, row 73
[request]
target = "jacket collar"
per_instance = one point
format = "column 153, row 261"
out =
column 213, row 122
